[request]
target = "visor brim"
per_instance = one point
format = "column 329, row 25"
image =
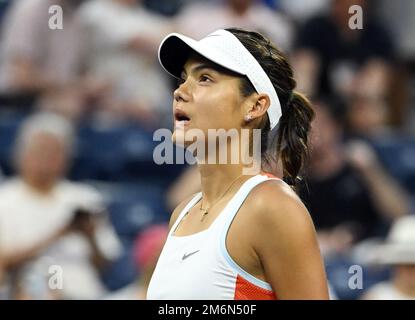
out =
column 176, row 49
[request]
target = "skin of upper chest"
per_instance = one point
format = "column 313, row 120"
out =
column 239, row 237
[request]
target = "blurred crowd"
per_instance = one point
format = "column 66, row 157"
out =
column 83, row 206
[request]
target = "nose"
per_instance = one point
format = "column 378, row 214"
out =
column 182, row 93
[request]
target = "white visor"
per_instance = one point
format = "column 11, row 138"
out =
column 224, row 49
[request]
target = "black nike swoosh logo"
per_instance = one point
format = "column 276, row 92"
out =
column 185, row 256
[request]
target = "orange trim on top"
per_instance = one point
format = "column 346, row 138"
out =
column 269, row 175
column 245, row 290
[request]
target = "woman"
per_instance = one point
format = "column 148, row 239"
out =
column 244, row 236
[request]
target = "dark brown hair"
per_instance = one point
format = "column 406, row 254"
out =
column 290, row 142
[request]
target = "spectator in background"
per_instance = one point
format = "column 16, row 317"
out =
column 39, row 61
column 123, row 38
column 200, row 19
column 47, row 221
column 3, row 8
column 399, row 253
column 4, row 294
column 367, row 117
column 331, row 58
column 1, row 271
column 165, row 7
column 348, row 193
column 146, row 250
column 301, row 10
column 399, row 16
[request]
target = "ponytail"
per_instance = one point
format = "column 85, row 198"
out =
column 292, row 137
column 290, row 142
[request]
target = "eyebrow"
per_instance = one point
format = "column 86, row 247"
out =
column 201, row 67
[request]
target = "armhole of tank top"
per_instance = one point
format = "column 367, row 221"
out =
column 224, row 233
column 189, row 205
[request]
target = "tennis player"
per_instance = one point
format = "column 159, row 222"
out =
column 244, row 236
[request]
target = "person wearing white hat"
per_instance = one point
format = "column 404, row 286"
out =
column 244, row 236
column 398, row 252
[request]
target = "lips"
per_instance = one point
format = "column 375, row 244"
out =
column 181, row 118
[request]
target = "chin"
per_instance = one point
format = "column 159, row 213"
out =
column 178, row 138
column 183, row 138
column 179, row 133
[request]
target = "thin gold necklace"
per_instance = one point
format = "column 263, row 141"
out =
column 206, row 211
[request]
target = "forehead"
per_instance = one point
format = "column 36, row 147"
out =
column 196, row 62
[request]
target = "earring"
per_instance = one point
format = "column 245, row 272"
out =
column 248, row 118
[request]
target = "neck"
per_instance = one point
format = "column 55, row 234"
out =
column 220, row 176
column 40, row 188
column 217, row 178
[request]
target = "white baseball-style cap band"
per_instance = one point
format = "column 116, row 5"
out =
column 224, row 49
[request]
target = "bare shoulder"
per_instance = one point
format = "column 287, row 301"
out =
column 179, row 209
column 276, row 207
column 283, row 236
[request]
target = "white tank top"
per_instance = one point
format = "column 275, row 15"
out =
column 199, row 267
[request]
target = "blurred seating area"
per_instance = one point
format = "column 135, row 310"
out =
column 117, row 161
column 100, row 74
column 398, row 156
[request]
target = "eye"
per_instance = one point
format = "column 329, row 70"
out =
column 205, row 78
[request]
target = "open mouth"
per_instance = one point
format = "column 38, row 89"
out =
column 181, row 117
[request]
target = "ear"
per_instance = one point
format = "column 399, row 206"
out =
column 257, row 106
